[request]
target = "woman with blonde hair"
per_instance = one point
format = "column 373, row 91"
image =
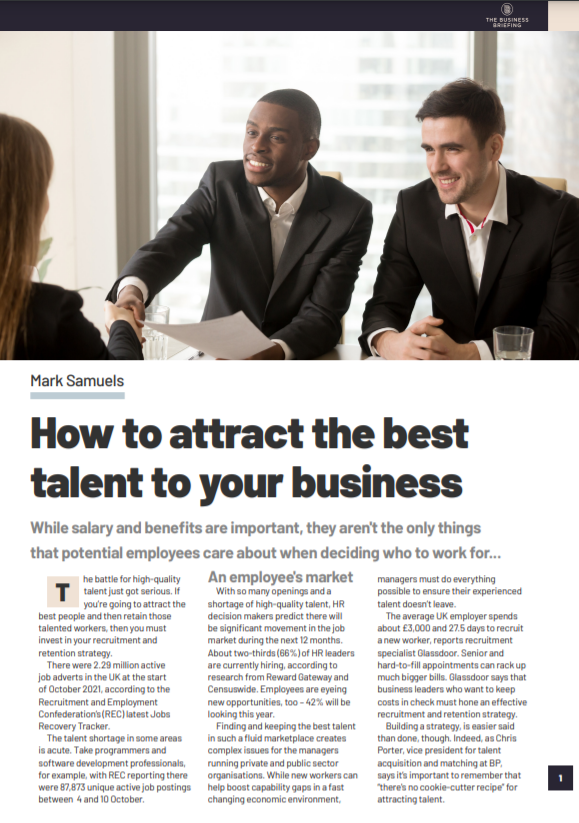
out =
column 37, row 320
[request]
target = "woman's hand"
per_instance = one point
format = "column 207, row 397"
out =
column 113, row 313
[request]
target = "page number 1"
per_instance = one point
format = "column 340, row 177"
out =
column 560, row 778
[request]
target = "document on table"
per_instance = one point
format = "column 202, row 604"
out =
column 233, row 338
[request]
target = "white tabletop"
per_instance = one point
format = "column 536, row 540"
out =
column 343, row 351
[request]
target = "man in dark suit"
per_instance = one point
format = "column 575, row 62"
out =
column 286, row 243
column 493, row 247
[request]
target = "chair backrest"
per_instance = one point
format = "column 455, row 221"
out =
column 558, row 183
column 335, row 174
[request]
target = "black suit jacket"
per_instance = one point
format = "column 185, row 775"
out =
column 304, row 302
column 530, row 275
column 56, row 329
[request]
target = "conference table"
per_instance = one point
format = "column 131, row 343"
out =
column 343, row 351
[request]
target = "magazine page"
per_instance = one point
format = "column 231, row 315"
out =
column 338, row 585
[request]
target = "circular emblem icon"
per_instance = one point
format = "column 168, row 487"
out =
column 507, row 8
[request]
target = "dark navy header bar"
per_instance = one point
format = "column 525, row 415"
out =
column 282, row 15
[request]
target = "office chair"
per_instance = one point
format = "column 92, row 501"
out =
column 558, row 183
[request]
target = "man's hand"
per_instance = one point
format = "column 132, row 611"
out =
column 114, row 312
column 132, row 298
column 274, row 352
column 411, row 345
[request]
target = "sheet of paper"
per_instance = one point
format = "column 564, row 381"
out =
column 233, row 338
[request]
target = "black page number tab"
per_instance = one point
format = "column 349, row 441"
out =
column 560, row 778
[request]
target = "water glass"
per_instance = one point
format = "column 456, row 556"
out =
column 512, row 342
column 156, row 344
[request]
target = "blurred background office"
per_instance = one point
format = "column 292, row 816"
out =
column 134, row 118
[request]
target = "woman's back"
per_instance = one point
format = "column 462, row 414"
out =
column 39, row 321
column 56, row 329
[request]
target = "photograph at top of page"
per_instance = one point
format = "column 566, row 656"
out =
column 359, row 195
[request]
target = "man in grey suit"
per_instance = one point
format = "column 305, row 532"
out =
column 286, row 243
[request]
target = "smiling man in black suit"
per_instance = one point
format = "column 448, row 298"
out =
column 286, row 243
column 492, row 246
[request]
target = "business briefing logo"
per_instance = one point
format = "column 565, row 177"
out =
column 506, row 21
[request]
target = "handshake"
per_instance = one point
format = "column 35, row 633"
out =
column 129, row 307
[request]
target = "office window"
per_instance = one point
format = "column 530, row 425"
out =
column 368, row 86
column 538, row 81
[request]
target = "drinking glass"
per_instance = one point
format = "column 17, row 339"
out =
column 512, row 342
column 156, row 344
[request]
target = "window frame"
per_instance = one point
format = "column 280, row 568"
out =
column 136, row 128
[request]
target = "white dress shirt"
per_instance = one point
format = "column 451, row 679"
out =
column 280, row 224
column 476, row 240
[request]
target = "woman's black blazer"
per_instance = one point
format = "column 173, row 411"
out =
column 56, row 329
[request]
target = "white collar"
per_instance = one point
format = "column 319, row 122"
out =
column 498, row 210
column 294, row 201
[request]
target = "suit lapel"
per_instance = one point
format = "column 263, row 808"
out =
column 500, row 240
column 453, row 245
column 307, row 225
column 256, row 221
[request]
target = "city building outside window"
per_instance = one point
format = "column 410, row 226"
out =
column 538, row 82
column 368, row 85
